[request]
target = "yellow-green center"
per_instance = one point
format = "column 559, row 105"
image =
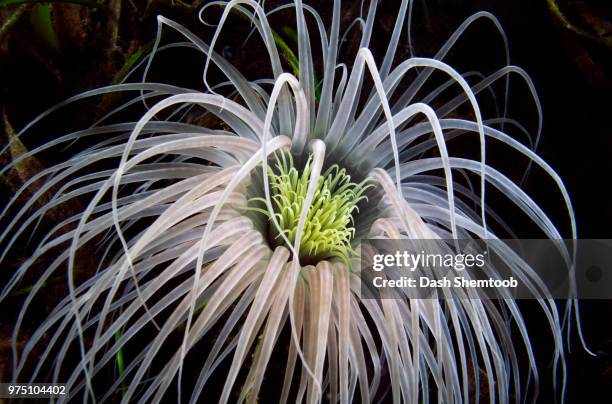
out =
column 329, row 227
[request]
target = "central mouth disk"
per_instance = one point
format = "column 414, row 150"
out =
column 329, row 226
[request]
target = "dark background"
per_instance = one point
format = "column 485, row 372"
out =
column 572, row 73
